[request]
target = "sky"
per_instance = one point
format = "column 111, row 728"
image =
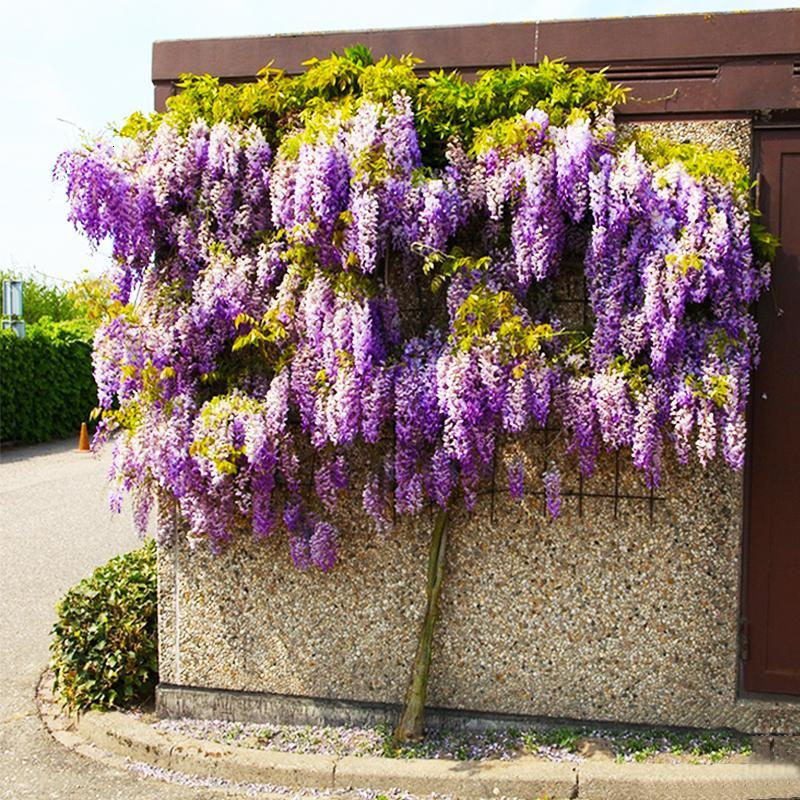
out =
column 72, row 67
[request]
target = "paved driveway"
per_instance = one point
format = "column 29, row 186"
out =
column 55, row 527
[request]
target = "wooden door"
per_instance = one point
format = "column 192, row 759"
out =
column 772, row 515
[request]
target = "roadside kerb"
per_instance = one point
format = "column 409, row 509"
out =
column 524, row 777
column 611, row 781
column 528, row 776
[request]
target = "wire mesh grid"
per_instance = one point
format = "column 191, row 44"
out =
column 570, row 294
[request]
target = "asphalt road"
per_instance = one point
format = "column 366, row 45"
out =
column 55, row 527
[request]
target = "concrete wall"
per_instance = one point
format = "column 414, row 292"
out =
column 624, row 609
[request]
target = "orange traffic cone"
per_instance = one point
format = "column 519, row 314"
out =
column 83, row 441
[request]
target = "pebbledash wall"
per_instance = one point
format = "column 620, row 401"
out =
column 625, row 609
column 606, row 614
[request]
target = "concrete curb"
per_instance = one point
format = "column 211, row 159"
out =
column 613, row 781
column 117, row 738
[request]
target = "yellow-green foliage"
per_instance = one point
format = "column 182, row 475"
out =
column 446, row 105
column 698, row 159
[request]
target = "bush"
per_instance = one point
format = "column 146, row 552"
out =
column 47, row 387
column 105, row 645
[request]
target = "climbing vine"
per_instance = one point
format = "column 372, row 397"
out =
column 357, row 258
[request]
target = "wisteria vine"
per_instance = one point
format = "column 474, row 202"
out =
column 319, row 293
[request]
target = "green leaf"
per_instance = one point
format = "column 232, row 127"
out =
column 116, row 606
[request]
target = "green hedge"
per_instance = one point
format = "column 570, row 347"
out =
column 46, row 383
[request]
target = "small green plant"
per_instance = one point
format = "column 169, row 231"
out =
column 563, row 738
column 714, row 746
column 104, row 648
column 233, row 733
column 265, row 735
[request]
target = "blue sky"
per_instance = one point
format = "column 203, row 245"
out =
column 78, row 65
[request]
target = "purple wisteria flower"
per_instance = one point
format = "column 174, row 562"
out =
column 284, row 330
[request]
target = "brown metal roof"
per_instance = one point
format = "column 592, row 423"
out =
column 687, row 64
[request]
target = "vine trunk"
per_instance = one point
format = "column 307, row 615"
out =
column 411, row 725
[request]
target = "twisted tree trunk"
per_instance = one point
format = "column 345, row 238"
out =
column 411, row 725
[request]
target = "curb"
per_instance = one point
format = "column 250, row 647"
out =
column 116, row 739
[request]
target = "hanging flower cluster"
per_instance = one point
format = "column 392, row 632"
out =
column 322, row 294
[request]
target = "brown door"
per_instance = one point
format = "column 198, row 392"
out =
column 772, row 561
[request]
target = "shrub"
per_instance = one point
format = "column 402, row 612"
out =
column 105, row 645
column 47, row 388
